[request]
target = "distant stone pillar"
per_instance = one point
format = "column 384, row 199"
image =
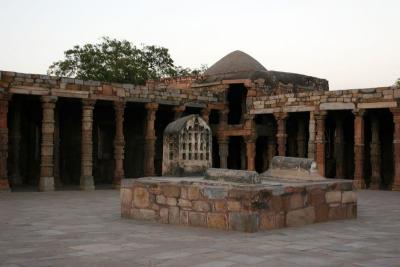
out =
column 359, row 182
column 320, row 141
column 87, row 180
column 301, row 138
column 178, row 111
column 311, row 136
column 251, row 152
column 4, row 185
column 339, row 147
column 15, row 140
column 150, row 139
column 281, row 134
column 119, row 143
column 205, row 114
column 223, row 145
column 375, row 148
column 46, row 182
column 396, row 148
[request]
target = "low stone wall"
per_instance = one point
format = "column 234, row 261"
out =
column 225, row 206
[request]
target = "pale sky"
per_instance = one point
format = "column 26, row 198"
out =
column 353, row 43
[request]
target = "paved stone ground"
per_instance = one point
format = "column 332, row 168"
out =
column 73, row 228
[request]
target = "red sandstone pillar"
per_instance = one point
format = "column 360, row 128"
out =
column 87, row 181
column 46, row 182
column 178, row 111
column 339, row 147
column 150, row 139
column 396, row 148
column 311, row 136
column 375, row 148
column 119, row 143
column 281, row 135
column 205, row 114
column 320, row 141
column 359, row 182
column 4, row 185
column 251, row 152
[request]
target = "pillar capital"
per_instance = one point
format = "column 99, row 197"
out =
column 151, row 106
column 88, row 103
column 359, row 112
column 281, row 115
column 119, row 105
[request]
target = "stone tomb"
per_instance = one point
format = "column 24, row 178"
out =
column 291, row 193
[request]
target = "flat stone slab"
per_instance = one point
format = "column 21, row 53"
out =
column 224, row 205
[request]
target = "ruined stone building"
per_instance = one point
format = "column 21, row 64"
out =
column 60, row 132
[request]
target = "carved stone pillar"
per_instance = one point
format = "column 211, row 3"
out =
column 4, row 185
column 87, row 180
column 339, row 147
column 46, row 182
column 15, row 140
column 311, row 136
column 150, row 139
column 178, row 111
column 119, row 143
column 251, row 152
column 375, row 148
column 281, row 134
column 396, row 148
column 320, row 141
column 301, row 138
column 205, row 114
column 359, row 182
column 223, row 144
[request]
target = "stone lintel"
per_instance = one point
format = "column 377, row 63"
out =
column 336, row 106
column 298, row 108
column 264, row 110
column 246, row 82
column 168, row 102
column 107, row 98
column 69, row 93
column 391, row 104
column 29, row 90
column 196, row 105
column 137, row 99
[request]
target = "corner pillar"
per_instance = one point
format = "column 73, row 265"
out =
column 87, row 180
column 375, row 148
column 150, row 139
column 359, row 182
column 251, row 152
column 320, row 141
column 396, row 148
column 311, row 136
column 119, row 143
column 46, row 182
column 281, row 134
column 4, row 184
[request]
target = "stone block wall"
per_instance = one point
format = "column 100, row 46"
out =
column 236, row 207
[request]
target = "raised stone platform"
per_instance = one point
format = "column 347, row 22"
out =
column 226, row 205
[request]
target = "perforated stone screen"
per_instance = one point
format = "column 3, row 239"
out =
column 187, row 147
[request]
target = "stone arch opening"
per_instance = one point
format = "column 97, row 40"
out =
column 236, row 98
column 237, row 153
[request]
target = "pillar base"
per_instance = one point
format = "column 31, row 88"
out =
column 87, row 183
column 4, row 185
column 359, row 184
column 396, row 187
column 46, row 184
column 374, row 186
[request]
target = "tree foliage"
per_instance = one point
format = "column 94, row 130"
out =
column 113, row 60
column 398, row 82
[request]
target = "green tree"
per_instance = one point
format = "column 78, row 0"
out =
column 398, row 82
column 112, row 60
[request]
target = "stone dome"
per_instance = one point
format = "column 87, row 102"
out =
column 235, row 65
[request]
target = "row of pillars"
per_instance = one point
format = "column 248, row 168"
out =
column 47, row 165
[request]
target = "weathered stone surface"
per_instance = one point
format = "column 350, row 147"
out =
column 293, row 201
column 184, row 203
column 333, row 196
column 164, row 215
column 184, row 217
column 271, row 220
column 215, row 192
column 173, row 215
column 193, row 193
column 233, row 205
column 217, row 220
column 126, row 201
column 236, row 176
column 197, row 218
column 219, row 206
column 321, row 213
column 140, row 197
column 171, row 201
column 349, row 197
column 200, row 206
column 300, row 217
column 337, row 213
column 243, row 221
column 161, row 199
column 144, row 214
column 171, row 191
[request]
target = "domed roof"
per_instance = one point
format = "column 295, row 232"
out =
column 235, row 62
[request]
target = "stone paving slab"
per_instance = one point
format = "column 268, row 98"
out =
column 73, row 228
